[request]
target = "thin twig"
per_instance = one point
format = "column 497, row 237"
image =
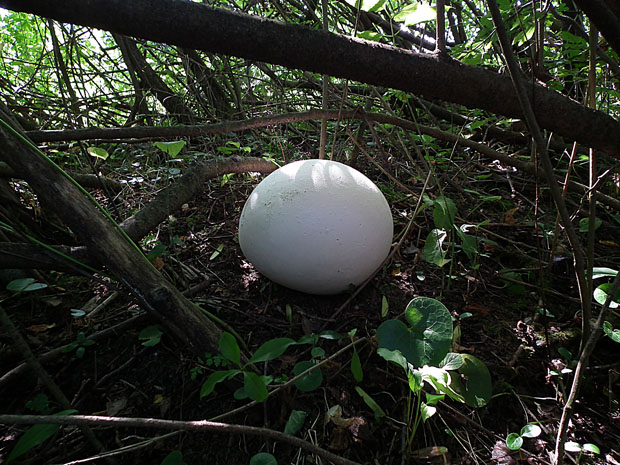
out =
column 201, row 425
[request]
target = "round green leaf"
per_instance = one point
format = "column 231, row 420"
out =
column 309, row 382
column 514, row 441
column 474, row 382
column 571, row 446
column 602, row 292
column 428, row 340
column 531, row 431
column 591, row 448
column 263, row 458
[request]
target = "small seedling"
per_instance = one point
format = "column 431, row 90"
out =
column 514, row 441
column 575, row 447
column 79, row 345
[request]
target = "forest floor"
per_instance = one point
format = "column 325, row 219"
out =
column 495, row 298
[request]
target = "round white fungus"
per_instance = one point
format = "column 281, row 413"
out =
column 316, row 226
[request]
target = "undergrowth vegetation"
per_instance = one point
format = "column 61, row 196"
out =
column 490, row 335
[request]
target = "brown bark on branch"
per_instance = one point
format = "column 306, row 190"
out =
column 200, row 26
column 107, row 244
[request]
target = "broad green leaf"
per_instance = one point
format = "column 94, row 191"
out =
column 254, row 386
column 601, row 272
column 263, row 458
column 584, row 224
column 602, row 292
column 376, row 409
column 174, row 458
column 433, row 399
column 531, row 431
column 309, row 382
column 295, row 422
column 613, row 334
column 356, row 367
column 591, row 448
column 171, row 148
column 474, row 383
column 514, row 441
column 415, row 13
column 393, row 356
column 98, row 153
column 214, row 378
column 34, row 436
column 572, row 446
column 367, row 5
column 444, row 213
column 433, row 251
column 271, row 349
column 427, row 411
column 428, row 341
column 452, row 361
column 229, row 348
column 25, row 285
column 151, row 335
column 415, row 381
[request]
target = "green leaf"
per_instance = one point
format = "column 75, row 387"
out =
column 602, row 292
column 531, row 431
column 475, row 382
column 514, row 441
column 584, row 224
column 263, row 458
column 427, row 411
column 367, row 5
column 601, row 272
column 356, row 367
column 25, row 285
column 393, row 356
column 613, row 334
column 151, row 335
column 415, row 13
column 214, row 378
column 34, row 436
column 376, row 409
column 591, row 448
column 98, row 153
column 171, row 148
column 271, row 350
column 428, row 340
column 572, row 446
column 229, row 348
column 452, row 361
column 295, row 421
column 216, row 252
column 385, row 307
column 415, row 381
column 254, row 386
column 444, row 213
column 309, row 382
column 433, row 399
column 433, row 251
column 174, row 458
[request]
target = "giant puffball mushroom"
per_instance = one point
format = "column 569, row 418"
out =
column 316, row 226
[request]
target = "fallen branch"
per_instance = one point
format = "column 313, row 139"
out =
column 155, row 423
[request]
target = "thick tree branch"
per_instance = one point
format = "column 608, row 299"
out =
column 199, row 26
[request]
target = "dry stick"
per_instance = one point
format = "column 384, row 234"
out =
column 588, row 347
column 534, row 129
column 259, row 122
column 43, row 375
column 202, row 425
